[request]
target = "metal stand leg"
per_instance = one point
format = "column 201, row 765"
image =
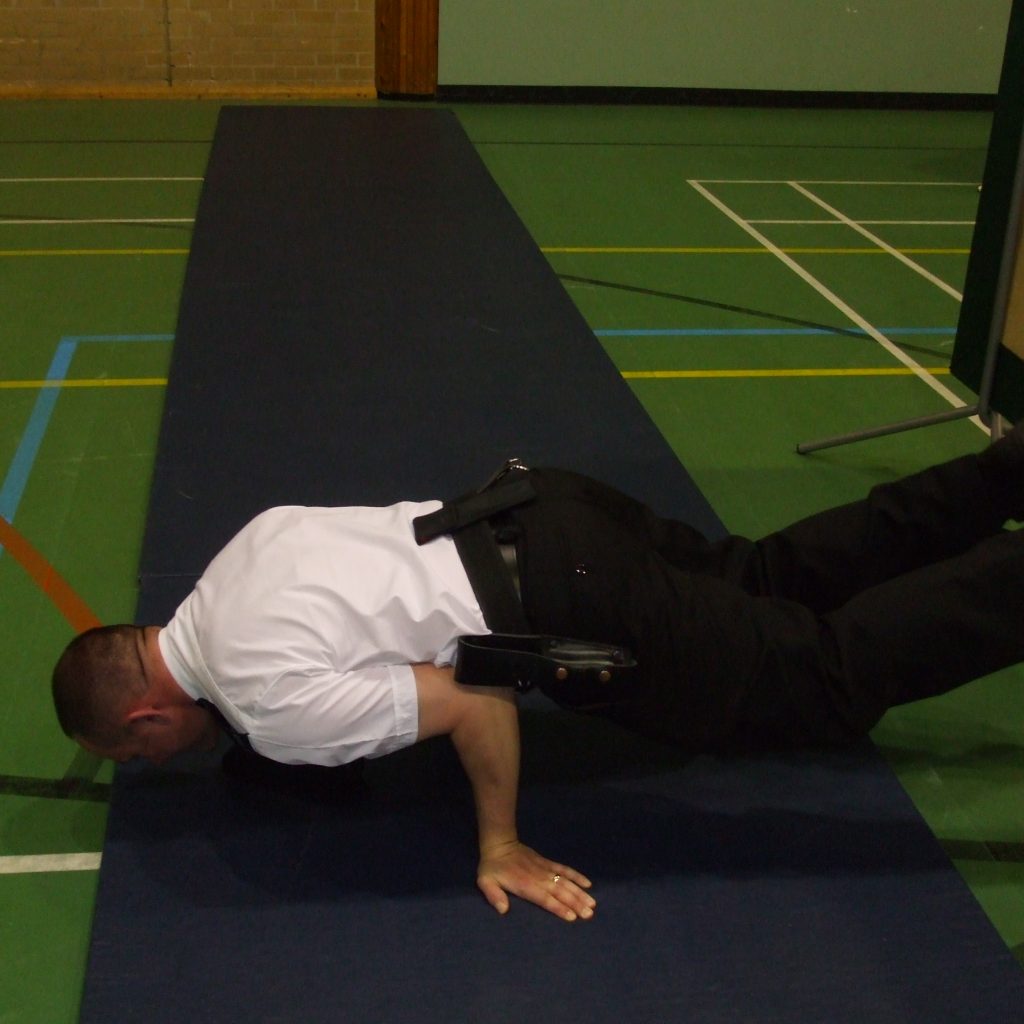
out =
column 1000, row 426
column 893, row 428
column 983, row 408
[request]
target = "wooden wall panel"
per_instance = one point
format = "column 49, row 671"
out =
column 406, row 47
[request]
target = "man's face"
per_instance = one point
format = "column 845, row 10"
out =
column 159, row 736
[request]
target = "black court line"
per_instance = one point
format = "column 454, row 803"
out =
column 984, row 850
column 711, row 304
column 659, row 96
column 847, row 332
column 55, row 789
column 106, row 142
column 83, row 767
column 987, row 850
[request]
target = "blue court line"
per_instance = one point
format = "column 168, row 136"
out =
column 31, row 440
column 777, row 332
column 24, row 458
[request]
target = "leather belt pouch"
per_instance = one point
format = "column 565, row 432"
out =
column 550, row 662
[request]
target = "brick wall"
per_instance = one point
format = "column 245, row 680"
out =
column 186, row 46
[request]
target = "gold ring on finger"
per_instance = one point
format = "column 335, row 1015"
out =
column 556, row 878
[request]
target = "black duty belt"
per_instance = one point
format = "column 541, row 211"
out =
column 490, row 562
column 512, row 656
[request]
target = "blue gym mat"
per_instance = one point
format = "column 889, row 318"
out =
column 365, row 319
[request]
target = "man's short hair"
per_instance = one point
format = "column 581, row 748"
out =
column 97, row 673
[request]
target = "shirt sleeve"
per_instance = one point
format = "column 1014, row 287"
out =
column 329, row 718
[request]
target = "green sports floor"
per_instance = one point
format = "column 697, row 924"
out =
column 760, row 277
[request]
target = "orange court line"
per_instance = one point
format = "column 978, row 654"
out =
column 52, row 584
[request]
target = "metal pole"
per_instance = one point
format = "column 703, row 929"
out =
column 805, row 447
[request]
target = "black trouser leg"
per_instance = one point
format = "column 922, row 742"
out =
column 722, row 665
column 918, row 635
column 823, row 560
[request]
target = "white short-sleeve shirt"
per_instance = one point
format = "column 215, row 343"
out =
column 303, row 630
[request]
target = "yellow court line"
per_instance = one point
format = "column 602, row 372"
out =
column 93, row 252
column 742, row 250
column 865, row 371
column 677, row 250
column 93, row 382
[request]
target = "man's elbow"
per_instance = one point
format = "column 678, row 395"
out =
column 439, row 701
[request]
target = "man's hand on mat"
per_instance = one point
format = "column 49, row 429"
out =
column 514, row 868
column 483, row 723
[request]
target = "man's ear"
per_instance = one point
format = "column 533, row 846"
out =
column 144, row 715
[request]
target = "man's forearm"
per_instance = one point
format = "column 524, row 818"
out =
column 486, row 739
column 483, row 724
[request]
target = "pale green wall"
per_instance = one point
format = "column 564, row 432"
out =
column 932, row 46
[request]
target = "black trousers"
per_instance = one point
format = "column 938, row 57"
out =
column 803, row 638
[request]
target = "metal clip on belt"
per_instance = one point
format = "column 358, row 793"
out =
column 522, row 662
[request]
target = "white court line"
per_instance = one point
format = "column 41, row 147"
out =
column 830, row 296
column 804, row 223
column 15, row 221
column 897, row 223
column 924, row 223
column 905, row 260
column 823, row 181
column 49, row 862
column 29, row 181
